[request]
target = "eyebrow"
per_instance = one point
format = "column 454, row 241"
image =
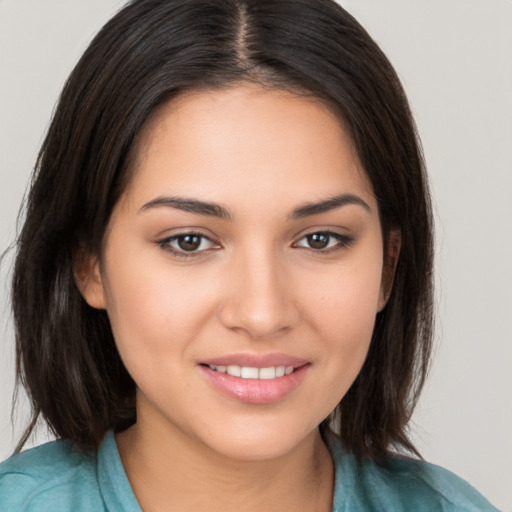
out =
column 327, row 205
column 189, row 205
column 215, row 210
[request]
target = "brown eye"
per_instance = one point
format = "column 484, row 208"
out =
column 324, row 241
column 189, row 242
column 318, row 240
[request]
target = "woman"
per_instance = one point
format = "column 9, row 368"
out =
column 230, row 232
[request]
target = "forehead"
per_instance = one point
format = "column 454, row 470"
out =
column 246, row 140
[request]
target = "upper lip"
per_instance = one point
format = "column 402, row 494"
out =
column 255, row 360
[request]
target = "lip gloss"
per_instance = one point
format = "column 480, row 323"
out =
column 255, row 391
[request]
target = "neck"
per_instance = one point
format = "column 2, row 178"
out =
column 170, row 471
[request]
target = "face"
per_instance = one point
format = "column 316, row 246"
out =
column 242, row 270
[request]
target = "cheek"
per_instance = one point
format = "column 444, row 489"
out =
column 154, row 312
column 349, row 294
column 344, row 316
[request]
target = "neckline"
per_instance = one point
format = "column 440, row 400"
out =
column 115, row 487
column 118, row 494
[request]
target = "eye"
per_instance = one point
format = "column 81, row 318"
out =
column 184, row 243
column 324, row 241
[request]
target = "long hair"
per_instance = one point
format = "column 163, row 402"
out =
column 151, row 51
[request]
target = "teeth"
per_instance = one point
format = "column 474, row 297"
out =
column 233, row 370
column 267, row 373
column 247, row 372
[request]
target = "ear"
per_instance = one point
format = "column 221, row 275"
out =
column 88, row 279
column 388, row 271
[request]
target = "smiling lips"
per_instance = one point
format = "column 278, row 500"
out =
column 247, row 372
column 255, row 380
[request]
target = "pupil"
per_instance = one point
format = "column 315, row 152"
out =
column 318, row 240
column 189, row 242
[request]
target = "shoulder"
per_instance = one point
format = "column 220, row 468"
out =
column 421, row 483
column 401, row 485
column 51, row 474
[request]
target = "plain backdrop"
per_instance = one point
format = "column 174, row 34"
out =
column 455, row 60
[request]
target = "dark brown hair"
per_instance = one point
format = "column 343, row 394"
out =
column 148, row 53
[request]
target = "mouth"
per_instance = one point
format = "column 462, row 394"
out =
column 255, row 380
column 252, row 372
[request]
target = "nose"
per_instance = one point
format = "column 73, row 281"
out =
column 259, row 299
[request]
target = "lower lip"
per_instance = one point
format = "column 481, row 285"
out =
column 255, row 391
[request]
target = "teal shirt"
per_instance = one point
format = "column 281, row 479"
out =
column 55, row 477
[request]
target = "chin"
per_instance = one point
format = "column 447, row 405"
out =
column 268, row 442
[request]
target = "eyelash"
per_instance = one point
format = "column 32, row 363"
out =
column 342, row 242
column 165, row 244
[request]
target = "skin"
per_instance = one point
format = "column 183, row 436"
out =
column 254, row 286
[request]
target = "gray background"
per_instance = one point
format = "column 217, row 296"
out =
column 455, row 60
